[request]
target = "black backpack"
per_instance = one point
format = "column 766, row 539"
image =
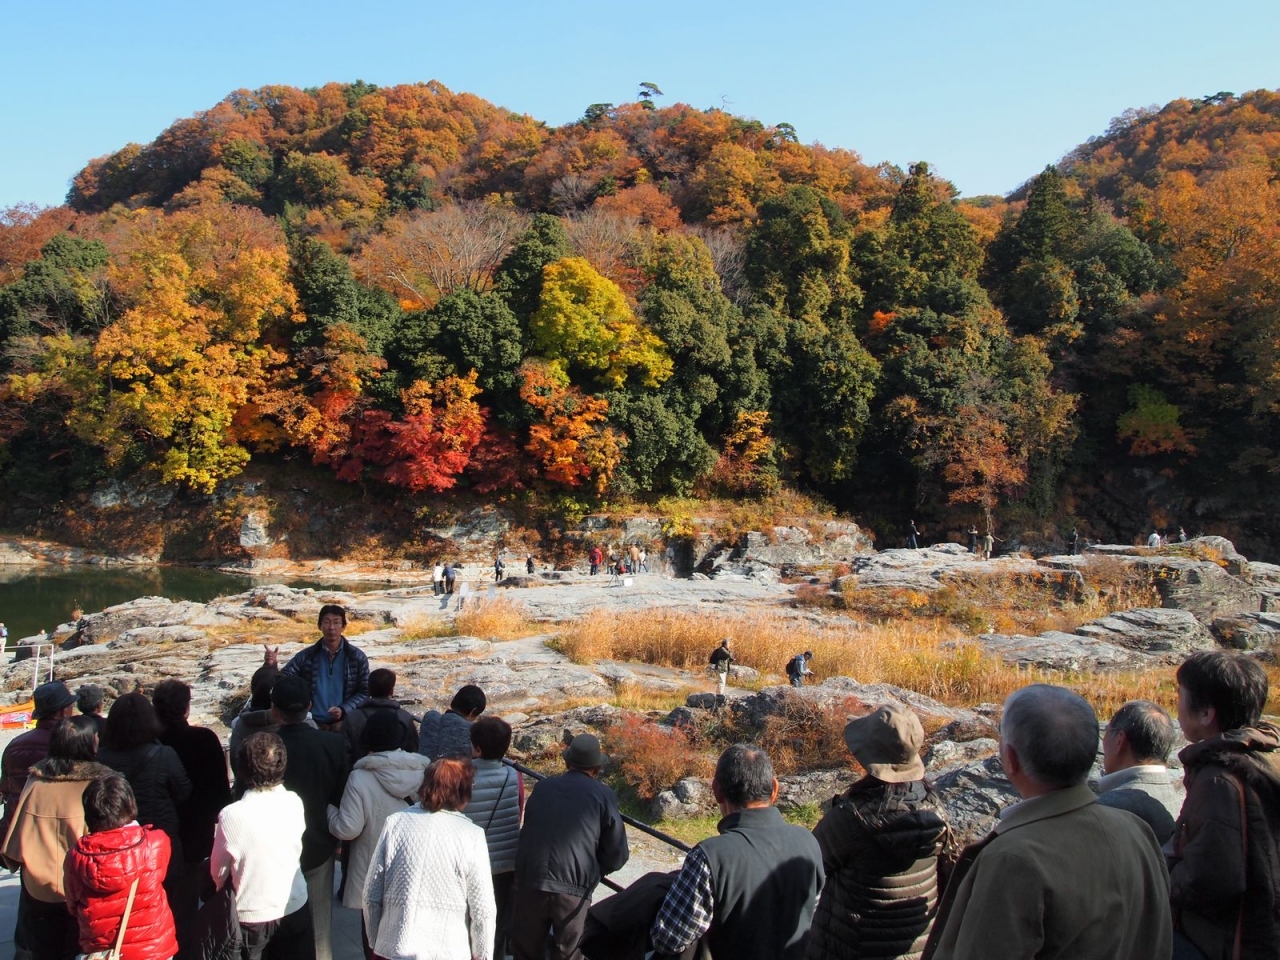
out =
column 793, row 665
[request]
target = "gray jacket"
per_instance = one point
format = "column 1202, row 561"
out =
column 1145, row 791
column 495, row 808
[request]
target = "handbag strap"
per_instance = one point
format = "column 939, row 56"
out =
column 124, row 921
column 1244, row 862
column 501, row 793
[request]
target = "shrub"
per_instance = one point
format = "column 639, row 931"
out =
column 651, row 758
column 497, row 619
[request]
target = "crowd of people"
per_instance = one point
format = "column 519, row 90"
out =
column 133, row 842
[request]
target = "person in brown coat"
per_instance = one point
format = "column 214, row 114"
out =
column 1224, row 875
column 880, row 846
column 53, row 702
column 48, row 819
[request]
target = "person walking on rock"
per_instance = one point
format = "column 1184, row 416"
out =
column 973, row 539
column 913, row 536
column 720, row 659
column 573, row 835
column 450, row 577
column 437, row 578
column 499, row 568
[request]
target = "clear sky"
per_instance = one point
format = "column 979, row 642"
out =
column 987, row 92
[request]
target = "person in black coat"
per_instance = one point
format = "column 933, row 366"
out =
column 316, row 770
column 160, row 786
column 201, row 754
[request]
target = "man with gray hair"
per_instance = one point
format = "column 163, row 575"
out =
column 1135, row 746
column 751, row 890
column 1061, row 875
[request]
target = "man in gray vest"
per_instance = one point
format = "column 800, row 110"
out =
column 1135, row 746
column 752, row 890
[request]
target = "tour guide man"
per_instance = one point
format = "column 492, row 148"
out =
column 336, row 671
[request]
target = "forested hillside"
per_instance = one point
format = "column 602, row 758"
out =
column 422, row 291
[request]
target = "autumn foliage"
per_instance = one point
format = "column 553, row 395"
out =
column 420, row 290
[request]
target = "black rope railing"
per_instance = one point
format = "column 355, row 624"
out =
column 629, row 821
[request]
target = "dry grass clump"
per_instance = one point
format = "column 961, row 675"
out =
column 497, row 619
column 425, row 627
column 804, row 735
column 929, row 657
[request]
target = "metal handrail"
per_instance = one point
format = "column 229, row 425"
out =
column 629, row 821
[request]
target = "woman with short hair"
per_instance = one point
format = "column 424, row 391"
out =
column 430, row 871
column 118, row 858
column 257, row 844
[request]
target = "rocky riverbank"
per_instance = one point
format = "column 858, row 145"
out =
column 1210, row 596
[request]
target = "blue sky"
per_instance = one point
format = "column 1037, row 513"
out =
column 986, row 92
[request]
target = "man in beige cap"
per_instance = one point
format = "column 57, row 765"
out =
column 880, row 845
column 572, row 836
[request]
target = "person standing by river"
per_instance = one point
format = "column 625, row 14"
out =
column 336, row 671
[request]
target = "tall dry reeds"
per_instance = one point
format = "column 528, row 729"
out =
column 930, row 657
column 496, row 619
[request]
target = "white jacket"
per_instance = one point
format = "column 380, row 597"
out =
column 429, row 894
column 380, row 784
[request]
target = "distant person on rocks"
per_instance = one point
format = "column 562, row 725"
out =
column 379, row 783
column 89, row 700
column 1135, row 749
column 499, row 568
column 120, row 856
column 913, row 536
column 382, row 699
column 595, row 557
column 429, row 876
column 48, row 820
column 880, row 845
column 751, row 890
column 720, row 659
column 1073, row 542
column 52, row 702
column 159, row 786
column 316, row 770
column 988, row 545
column 573, row 835
column 4, row 635
column 257, row 846
column 644, row 561
column 633, row 556
column 497, row 806
column 1182, row 535
column 1061, row 875
column 200, row 752
column 450, row 576
column 437, row 579
column 1155, row 539
column 798, row 668
column 1224, row 874
column 448, row 734
column 528, row 565
column 336, row 671
column 973, row 539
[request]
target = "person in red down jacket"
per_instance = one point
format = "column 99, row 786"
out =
column 102, row 866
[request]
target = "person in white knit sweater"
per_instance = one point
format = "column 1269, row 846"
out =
column 381, row 783
column 256, row 846
column 428, row 894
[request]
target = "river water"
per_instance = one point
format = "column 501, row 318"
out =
column 35, row 599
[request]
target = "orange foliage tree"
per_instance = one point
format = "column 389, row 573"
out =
column 567, row 439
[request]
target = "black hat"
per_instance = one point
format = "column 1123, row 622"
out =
column 51, row 698
column 291, row 694
column 584, row 752
column 90, row 697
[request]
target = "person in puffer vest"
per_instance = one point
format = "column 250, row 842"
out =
column 103, row 865
column 880, row 846
column 497, row 807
